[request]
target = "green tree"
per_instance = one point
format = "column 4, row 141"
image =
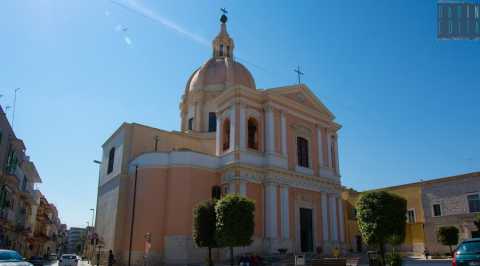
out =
column 448, row 236
column 235, row 222
column 381, row 219
column 477, row 221
column 204, row 227
column 396, row 240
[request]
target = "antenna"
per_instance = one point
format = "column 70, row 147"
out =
column 7, row 107
column 14, row 104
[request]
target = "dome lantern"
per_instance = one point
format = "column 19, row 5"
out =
column 222, row 44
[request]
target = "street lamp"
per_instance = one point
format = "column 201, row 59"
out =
column 95, row 236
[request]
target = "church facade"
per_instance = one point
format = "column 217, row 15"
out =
column 276, row 146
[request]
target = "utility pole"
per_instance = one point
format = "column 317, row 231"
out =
column 133, row 216
column 14, row 104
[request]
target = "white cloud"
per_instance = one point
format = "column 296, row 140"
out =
column 137, row 7
column 128, row 41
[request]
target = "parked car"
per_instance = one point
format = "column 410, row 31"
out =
column 37, row 261
column 68, row 260
column 12, row 258
column 467, row 253
column 52, row 257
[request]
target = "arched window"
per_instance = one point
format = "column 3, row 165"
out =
column 221, row 50
column 190, row 123
column 111, row 159
column 302, row 152
column 216, row 192
column 228, row 50
column 252, row 133
column 226, row 134
column 212, row 122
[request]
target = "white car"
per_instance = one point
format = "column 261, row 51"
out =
column 68, row 260
column 12, row 258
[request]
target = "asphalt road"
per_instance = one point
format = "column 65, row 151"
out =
column 428, row 263
column 80, row 263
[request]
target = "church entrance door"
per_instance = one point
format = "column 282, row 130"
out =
column 306, row 230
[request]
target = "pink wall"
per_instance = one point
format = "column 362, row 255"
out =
column 164, row 203
column 255, row 192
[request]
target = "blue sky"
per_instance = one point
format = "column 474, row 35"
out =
column 408, row 103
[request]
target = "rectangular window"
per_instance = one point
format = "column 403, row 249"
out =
column 437, row 210
column 190, row 124
column 411, row 216
column 477, row 11
column 212, row 122
column 354, row 214
column 474, row 203
column 302, row 152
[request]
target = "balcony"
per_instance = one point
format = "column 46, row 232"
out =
column 7, row 215
column 28, row 196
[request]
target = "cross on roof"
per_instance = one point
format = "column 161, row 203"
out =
column 299, row 73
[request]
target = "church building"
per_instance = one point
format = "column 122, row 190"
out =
column 276, row 146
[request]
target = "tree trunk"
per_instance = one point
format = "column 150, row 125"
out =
column 210, row 262
column 382, row 254
column 451, row 251
column 231, row 256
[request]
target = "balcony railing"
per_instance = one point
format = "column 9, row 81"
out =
column 7, row 215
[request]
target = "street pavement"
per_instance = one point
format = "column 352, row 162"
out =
column 410, row 262
column 80, row 263
column 407, row 262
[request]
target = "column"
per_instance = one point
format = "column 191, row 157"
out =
column 197, row 120
column 329, row 150
column 232, row 126
column 320, row 147
column 324, row 216
column 333, row 216
column 270, row 210
column 243, row 129
column 269, row 130
column 336, row 155
column 283, row 125
column 341, row 219
column 218, row 135
column 284, row 212
column 243, row 188
column 231, row 187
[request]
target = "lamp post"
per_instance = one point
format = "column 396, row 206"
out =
column 95, row 236
column 92, row 253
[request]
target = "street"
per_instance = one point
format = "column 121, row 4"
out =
column 428, row 263
column 80, row 263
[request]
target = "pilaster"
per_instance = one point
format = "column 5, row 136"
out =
column 269, row 130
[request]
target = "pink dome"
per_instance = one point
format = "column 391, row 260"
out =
column 220, row 72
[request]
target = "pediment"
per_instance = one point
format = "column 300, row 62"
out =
column 304, row 96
